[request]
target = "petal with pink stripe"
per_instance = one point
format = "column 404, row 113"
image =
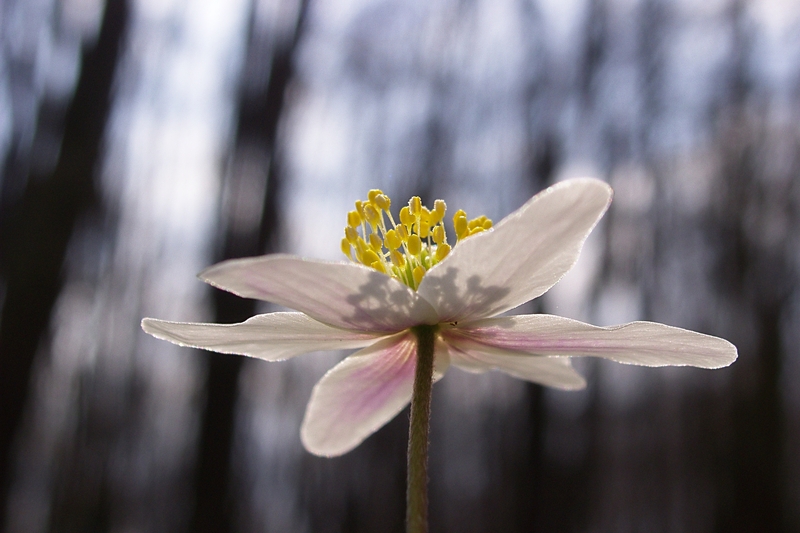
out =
column 636, row 343
column 472, row 356
column 359, row 395
column 362, row 393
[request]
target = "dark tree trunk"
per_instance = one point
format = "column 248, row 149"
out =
column 254, row 167
column 40, row 224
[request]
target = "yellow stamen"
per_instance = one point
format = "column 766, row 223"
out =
column 369, row 257
column 379, row 266
column 371, row 215
column 375, row 242
column 351, row 235
column 438, row 235
column 441, row 251
column 424, row 222
column 405, row 217
column 460, row 224
column 353, row 219
column 382, row 201
column 397, row 259
column 360, row 247
column 415, row 205
column 419, row 272
column 412, row 247
column 392, row 240
column 439, row 207
column 402, row 232
column 414, row 244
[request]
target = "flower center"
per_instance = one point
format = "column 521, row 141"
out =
column 407, row 250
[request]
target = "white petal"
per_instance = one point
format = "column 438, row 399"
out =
column 362, row 393
column 359, row 395
column 441, row 361
column 550, row 371
column 637, row 343
column 344, row 295
column 521, row 258
column 273, row 337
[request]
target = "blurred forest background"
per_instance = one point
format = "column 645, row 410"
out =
column 143, row 140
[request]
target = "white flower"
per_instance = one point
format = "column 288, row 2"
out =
column 347, row 305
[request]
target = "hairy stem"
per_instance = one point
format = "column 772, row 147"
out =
column 417, row 481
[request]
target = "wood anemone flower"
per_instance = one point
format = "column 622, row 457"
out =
column 407, row 276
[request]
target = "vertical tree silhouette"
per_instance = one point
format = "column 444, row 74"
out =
column 754, row 273
column 254, row 175
column 758, row 279
column 40, row 224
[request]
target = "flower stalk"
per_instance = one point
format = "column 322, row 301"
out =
column 418, row 433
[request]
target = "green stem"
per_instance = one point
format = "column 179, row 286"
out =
column 417, row 481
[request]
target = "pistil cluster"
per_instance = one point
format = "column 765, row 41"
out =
column 407, row 250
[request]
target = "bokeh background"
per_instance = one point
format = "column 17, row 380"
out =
column 142, row 140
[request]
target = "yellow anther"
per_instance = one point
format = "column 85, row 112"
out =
column 441, row 251
column 425, row 223
column 414, row 244
column 368, row 257
column 382, row 201
column 415, row 205
column 375, row 242
column 405, row 216
column 480, row 222
column 351, row 235
column 437, row 215
column 438, row 234
column 402, row 232
column 392, row 240
column 460, row 224
column 418, row 273
column 360, row 247
column 425, row 215
column 371, row 215
column 353, row 219
column 397, row 259
column 380, row 266
column 424, row 230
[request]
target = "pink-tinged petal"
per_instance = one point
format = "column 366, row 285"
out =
column 475, row 357
column 521, row 258
column 362, row 393
column 637, row 343
column 359, row 395
column 273, row 337
column 343, row 295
